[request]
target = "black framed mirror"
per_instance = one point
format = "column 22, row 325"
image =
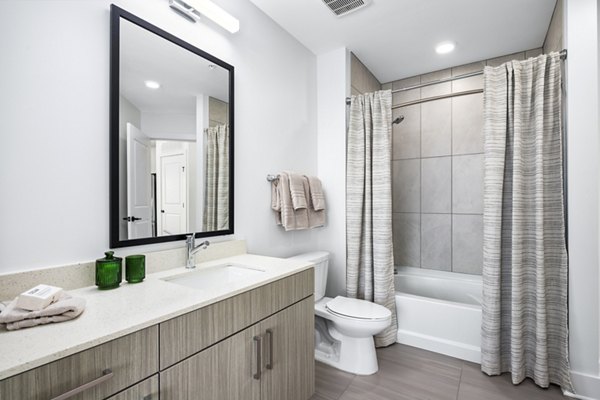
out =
column 171, row 136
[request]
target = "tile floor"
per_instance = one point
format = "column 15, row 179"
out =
column 408, row 373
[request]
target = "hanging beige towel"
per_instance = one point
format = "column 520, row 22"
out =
column 290, row 219
column 299, row 199
column 64, row 309
column 317, row 197
column 276, row 200
column 316, row 218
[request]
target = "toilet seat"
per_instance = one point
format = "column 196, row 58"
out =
column 356, row 309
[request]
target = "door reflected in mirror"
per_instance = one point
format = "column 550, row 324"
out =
column 174, row 137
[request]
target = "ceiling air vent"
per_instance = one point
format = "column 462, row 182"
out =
column 343, row 7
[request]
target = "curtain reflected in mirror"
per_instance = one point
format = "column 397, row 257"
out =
column 216, row 203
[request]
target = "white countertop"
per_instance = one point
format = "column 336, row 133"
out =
column 110, row 314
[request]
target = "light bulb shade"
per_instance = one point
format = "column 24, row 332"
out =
column 216, row 14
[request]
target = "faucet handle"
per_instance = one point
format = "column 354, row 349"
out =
column 190, row 238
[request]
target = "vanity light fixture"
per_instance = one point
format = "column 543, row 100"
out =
column 194, row 9
column 445, row 47
column 152, row 84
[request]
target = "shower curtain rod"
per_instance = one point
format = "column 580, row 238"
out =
column 563, row 56
column 442, row 96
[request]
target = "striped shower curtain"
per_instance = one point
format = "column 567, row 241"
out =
column 369, row 260
column 216, row 166
column 525, row 325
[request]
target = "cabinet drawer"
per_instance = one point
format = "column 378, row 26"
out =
column 145, row 390
column 130, row 359
column 190, row 333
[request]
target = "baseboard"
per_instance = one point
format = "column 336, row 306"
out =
column 587, row 387
column 443, row 346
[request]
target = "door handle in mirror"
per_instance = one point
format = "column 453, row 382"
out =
column 131, row 219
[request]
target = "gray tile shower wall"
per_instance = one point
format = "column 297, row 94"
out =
column 437, row 170
column 361, row 79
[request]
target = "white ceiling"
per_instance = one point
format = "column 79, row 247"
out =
column 396, row 38
column 183, row 75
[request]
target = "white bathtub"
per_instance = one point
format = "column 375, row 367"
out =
column 439, row 311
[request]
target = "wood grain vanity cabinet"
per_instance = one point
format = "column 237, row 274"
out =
column 257, row 345
column 270, row 360
column 262, row 350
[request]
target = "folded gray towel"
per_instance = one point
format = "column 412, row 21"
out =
column 316, row 218
column 317, row 196
column 64, row 309
column 290, row 219
column 296, row 182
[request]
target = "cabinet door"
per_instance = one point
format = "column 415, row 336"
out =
column 288, row 353
column 224, row 371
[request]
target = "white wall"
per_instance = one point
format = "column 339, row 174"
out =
column 169, row 126
column 333, row 85
column 54, row 123
column 583, row 194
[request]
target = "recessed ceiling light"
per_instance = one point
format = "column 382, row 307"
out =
column 444, row 47
column 152, row 84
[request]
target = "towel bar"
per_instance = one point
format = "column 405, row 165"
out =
column 272, row 178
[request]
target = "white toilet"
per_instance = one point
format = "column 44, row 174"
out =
column 344, row 327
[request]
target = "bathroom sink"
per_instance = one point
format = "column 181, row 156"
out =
column 208, row 278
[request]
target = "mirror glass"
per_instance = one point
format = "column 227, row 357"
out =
column 174, row 138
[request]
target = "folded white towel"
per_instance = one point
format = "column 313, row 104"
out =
column 317, row 196
column 64, row 309
column 299, row 199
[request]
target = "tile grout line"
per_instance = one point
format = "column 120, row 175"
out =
column 346, row 388
column 462, row 365
column 452, row 180
column 420, row 177
column 440, row 156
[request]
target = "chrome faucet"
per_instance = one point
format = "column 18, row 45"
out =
column 190, row 241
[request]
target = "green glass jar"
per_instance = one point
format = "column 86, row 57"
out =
column 135, row 268
column 108, row 271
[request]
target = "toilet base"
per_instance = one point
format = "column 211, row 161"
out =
column 350, row 354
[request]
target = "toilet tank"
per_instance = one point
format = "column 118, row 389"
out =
column 321, row 261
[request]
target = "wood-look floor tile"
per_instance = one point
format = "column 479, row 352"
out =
column 360, row 390
column 317, row 396
column 476, row 385
column 403, row 353
column 421, row 380
column 330, row 383
column 408, row 373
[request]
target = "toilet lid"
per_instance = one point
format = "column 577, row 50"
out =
column 359, row 309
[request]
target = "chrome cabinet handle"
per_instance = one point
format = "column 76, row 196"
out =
column 106, row 375
column 257, row 342
column 270, row 336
